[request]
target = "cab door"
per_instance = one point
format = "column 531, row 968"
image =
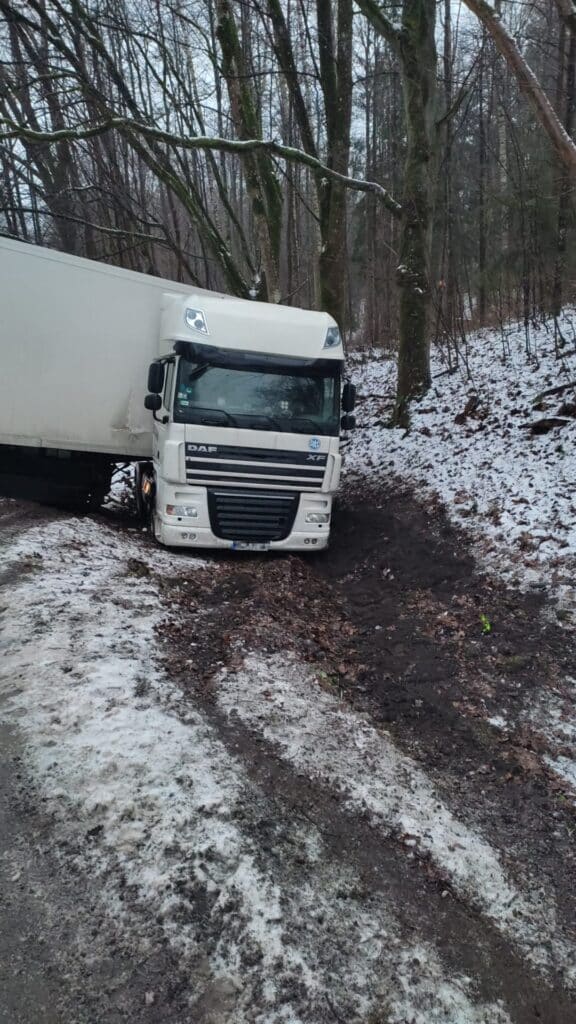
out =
column 161, row 426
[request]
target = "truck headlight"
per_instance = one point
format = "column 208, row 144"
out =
column 317, row 517
column 190, row 511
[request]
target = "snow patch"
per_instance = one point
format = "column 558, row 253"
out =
column 498, row 722
column 280, row 699
column 148, row 793
column 552, row 714
column 514, row 491
column 450, row 1004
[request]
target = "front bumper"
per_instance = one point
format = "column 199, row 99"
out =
column 202, row 537
column 199, row 531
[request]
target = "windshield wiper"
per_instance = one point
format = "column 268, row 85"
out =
column 197, row 409
column 264, row 416
column 306, row 426
column 198, row 372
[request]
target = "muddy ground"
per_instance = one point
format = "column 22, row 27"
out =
column 398, row 625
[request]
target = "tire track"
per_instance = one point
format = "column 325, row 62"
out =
column 281, row 700
column 146, row 795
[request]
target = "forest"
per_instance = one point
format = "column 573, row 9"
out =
column 407, row 167
column 287, row 659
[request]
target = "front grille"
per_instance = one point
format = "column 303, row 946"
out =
column 251, row 516
column 229, row 464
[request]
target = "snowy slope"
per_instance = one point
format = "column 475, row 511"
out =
column 514, row 490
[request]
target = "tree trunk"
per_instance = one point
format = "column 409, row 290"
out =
column 482, row 165
column 336, row 72
column 418, row 55
column 565, row 196
column 261, row 181
column 445, row 311
column 335, row 62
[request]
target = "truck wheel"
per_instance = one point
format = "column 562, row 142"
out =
column 152, row 526
column 145, row 490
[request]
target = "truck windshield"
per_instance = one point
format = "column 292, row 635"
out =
column 299, row 401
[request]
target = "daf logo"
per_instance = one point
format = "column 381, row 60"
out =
column 208, row 448
column 315, row 458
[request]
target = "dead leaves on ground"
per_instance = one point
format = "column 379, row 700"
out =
column 264, row 604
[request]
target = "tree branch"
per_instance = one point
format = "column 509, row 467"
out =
column 10, row 130
column 463, row 93
column 372, row 10
column 527, row 81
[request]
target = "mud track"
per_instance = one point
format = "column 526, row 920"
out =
column 390, row 619
column 391, row 628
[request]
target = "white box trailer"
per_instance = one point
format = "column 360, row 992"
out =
column 238, row 445
column 76, row 340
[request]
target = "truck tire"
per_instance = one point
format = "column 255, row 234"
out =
column 144, row 491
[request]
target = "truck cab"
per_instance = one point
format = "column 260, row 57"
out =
column 247, row 403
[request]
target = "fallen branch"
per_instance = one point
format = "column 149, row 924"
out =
column 558, row 390
column 544, row 425
column 333, row 1010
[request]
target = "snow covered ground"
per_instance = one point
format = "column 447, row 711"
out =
column 150, row 801
column 319, row 736
column 512, row 489
column 151, row 797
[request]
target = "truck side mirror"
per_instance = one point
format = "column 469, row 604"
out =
column 348, row 422
column 348, row 397
column 153, row 402
column 156, row 379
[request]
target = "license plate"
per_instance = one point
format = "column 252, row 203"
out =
column 241, row 545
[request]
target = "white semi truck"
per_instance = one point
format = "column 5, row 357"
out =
column 236, row 438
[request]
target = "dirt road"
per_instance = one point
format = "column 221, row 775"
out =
column 282, row 789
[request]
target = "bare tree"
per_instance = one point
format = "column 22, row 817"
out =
column 414, row 41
